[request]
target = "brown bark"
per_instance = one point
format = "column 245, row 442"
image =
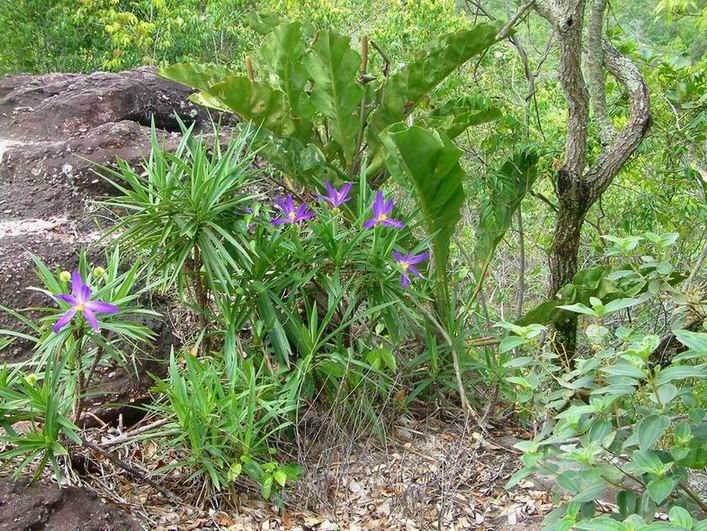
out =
column 595, row 71
column 577, row 187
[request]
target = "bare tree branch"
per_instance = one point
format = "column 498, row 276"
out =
column 508, row 27
column 595, row 71
column 625, row 143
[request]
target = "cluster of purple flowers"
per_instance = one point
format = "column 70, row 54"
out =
column 382, row 209
column 79, row 300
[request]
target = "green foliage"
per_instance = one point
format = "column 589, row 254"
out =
column 45, row 403
column 405, row 88
column 507, row 187
column 430, row 162
column 222, row 414
column 332, row 120
column 48, row 391
column 615, row 419
column 630, row 278
column 115, row 284
column 184, row 211
column 283, row 53
column 455, row 116
column 631, row 434
column 332, row 66
column 303, row 316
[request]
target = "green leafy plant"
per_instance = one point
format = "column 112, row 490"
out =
column 616, row 421
column 183, row 212
column 49, row 391
column 222, row 415
column 430, row 162
column 334, row 126
column 44, row 405
column 633, row 276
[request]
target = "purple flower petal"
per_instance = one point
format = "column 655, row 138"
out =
column 394, row 223
column 64, row 320
column 331, row 191
column 414, row 271
column 286, row 204
column 91, row 318
column 388, row 207
column 85, row 294
column 280, row 221
column 68, row 299
column 404, row 280
column 302, row 212
column 369, row 224
column 76, row 284
column 398, row 256
column 416, row 259
column 101, row 307
column 378, row 204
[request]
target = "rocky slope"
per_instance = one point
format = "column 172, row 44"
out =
column 53, row 128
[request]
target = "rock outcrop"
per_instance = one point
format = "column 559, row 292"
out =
column 53, row 129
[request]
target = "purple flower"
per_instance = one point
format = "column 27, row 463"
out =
column 335, row 197
column 291, row 213
column 80, row 301
column 407, row 263
column 381, row 211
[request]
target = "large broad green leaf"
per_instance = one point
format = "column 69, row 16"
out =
column 258, row 102
column 458, row 114
column 404, row 90
column 201, row 77
column 507, row 186
column 430, row 161
column 282, row 53
column 333, row 66
column 263, row 23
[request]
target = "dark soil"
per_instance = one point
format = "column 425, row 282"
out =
column 40, row 506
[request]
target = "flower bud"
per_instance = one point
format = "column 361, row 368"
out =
column 64, row 276
column 31, row 378
column 98, row 271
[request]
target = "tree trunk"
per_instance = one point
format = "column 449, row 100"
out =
column 579, row 187
column 563, row 267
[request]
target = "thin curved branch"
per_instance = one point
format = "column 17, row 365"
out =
column 625, row 143
column 595, row 71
